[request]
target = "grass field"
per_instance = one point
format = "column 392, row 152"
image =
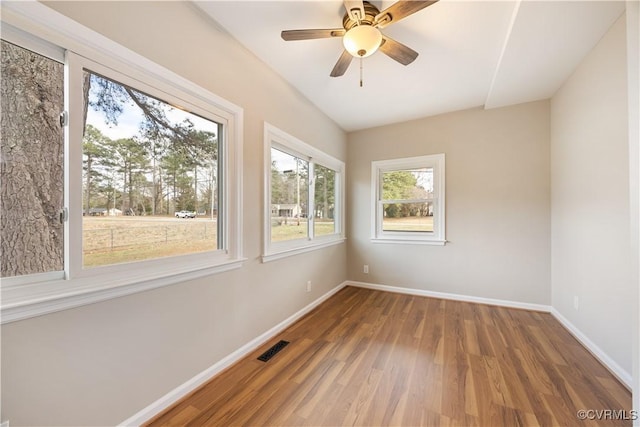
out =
column 114, row 240
column 298, row 230
column 412, row 223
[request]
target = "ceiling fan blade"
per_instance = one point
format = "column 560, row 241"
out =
column 355, row 9
column 395, row 50
column 289, row 35
column 341, row 66
column 399, row 10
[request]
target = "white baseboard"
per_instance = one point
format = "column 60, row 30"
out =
column 623, row 376
column 184, row 389
column 455, row 297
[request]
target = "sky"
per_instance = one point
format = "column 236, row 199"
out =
column 129, row 121
column 283, row 161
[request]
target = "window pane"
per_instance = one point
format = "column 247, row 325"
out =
column 32, row 169
column 408, row 184
column 289, row 196
column 325, row 192
column 150, row 177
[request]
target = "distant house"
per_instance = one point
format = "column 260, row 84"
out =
column 97, row 212
column 285, row 210
column 115, row 212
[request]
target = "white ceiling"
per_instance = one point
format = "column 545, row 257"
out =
column 472, row 53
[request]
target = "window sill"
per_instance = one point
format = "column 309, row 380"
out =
column 279, row 254
column 396, row 241
column 23, row 301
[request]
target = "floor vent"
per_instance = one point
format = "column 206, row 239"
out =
column 273, row 351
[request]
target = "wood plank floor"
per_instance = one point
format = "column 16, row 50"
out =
column 376, row 358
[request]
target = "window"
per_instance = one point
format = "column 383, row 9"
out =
column 112, row 181
column 304, row 196
column 32, row 168
column 408, row 200
column 289, row 196
column 324, row 197
column 147, row 166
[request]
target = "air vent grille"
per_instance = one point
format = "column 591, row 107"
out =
column 273, row 351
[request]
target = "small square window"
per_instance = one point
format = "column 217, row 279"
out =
column 408, row 200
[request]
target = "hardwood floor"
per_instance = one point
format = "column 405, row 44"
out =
column 375, row 358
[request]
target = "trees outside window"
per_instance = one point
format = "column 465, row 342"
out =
column 408, row 200
column 325, row 200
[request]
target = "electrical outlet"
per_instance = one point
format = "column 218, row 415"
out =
column 365, row 269
column 308, row 285
column 576, row 302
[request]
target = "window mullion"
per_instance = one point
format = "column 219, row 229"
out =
column 311, row 204
column 222, row 221
column 379, row 216
column 73, row 165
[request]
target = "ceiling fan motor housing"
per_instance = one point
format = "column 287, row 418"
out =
column 370, row 13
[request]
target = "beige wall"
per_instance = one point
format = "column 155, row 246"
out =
column 102, row 363
column 590, row 199
column 633, row 91
column 497, row 204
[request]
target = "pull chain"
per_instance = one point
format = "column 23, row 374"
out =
column 361, row 71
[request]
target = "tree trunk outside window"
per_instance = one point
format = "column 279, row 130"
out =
column 31, row 171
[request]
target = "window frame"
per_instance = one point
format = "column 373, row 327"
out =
column 280, row 140
column 33, row 25
column 378, row 168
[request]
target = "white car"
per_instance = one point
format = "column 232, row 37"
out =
column 185, row 214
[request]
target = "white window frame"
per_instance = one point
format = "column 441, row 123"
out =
column 378, row 168
column 32, row 295
column 280, row 140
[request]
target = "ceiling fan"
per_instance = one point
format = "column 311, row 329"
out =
column 361, row 35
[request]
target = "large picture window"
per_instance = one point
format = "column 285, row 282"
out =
column 304, row 196
column 116, row 176
column 147, row 167
column 408, row 200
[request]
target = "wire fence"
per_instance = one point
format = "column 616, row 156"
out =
column 103, row 239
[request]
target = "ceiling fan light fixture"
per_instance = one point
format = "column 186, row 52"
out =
column 362, row 40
